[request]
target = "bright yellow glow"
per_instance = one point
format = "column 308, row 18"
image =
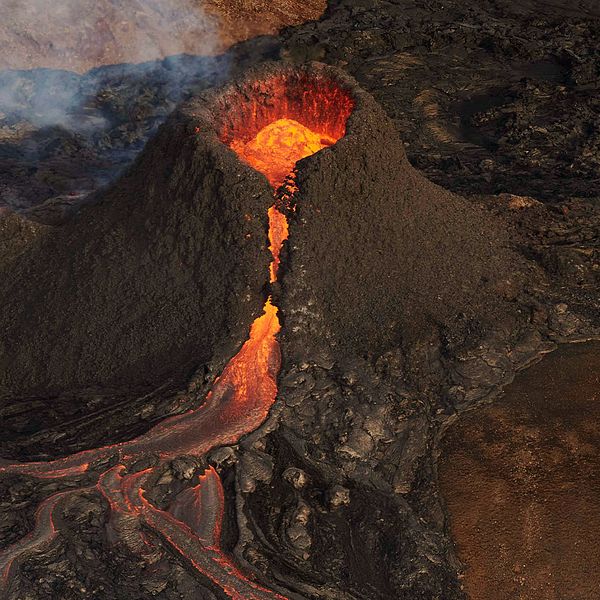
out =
column 278, row 147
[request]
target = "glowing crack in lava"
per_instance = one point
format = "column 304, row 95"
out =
column 274, row 152
column 238, row 403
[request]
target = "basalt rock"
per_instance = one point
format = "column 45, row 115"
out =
column 402, row 304
column 381, row 254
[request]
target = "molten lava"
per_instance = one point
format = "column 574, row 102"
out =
column 278, row 233
column 238, row 402
column 274, row 152
column 279, row 146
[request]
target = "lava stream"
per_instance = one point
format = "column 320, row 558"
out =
column 237, row 404
column 42, row 534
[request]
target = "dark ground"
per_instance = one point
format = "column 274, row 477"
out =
column 456, row 294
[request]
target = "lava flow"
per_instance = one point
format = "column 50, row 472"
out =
column 274, row 152
column 237, row 404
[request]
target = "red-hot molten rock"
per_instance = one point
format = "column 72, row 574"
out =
column 274, row 152
column 282, row 121
column 279, row 146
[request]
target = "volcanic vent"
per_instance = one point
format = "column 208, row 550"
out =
column 302, row 118
column 277, row 122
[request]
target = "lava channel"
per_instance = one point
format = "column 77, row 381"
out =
column 238, row 403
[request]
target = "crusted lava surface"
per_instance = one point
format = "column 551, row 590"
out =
column 402, row 305
column 495, row 98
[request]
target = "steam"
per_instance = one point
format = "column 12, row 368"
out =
column 43, row 98
column 77, row 34
column 149, row 55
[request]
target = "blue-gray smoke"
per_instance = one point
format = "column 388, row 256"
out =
column 64, row 133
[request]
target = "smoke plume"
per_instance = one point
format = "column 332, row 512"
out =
column 74, row 127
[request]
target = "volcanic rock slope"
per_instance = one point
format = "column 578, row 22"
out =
column 402, row 305
column 136, row 292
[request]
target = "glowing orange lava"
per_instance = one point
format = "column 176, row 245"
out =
column 278, row 147
column 278, row 233
column 274, row 152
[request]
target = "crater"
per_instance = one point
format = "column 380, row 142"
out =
column 273, row 123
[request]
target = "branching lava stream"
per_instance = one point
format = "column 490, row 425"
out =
column 237, row 404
